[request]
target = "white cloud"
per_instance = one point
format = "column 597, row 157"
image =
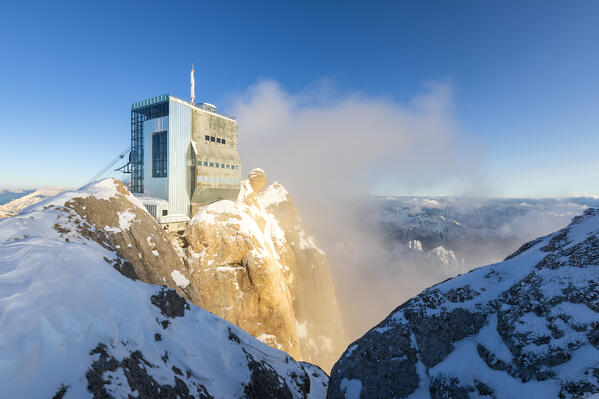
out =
column 352, row 144
column 326, row 149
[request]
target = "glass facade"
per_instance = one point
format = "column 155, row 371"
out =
column 141, row 111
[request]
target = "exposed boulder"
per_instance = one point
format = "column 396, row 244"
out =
column 525, row 327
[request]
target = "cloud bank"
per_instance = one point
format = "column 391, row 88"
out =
column 330, row 149
column 353, row 144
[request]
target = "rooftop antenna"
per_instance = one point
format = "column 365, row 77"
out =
column 193, row 83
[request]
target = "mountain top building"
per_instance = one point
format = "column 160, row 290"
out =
column 183, row 156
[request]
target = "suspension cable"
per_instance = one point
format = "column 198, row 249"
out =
column 109, row 165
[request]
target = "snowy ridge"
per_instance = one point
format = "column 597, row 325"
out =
column 525, row 327
column 73, row 325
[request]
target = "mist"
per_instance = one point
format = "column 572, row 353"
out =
column 330, row 150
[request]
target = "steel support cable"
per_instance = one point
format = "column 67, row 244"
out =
column 110, row 164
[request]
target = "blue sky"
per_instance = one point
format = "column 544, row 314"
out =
column 524, row 76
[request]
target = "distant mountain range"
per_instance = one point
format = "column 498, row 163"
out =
column 478, row 231
column 401, row 245
column 9, row 195
column 19, row 200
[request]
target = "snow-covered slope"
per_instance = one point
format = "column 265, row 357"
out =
column 527, row 327
column 72, row 325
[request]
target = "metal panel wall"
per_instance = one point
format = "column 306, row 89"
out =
column 156, row 187
column 179, row 154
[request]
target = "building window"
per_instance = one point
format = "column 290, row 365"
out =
column 207, row 138
column 218, row 140
column 228, row 166
column 211, row 163
column 159, row 149
column 222, row 165
column 205, row 163
column 224, row 141
column 212, row 138
column 164, row 212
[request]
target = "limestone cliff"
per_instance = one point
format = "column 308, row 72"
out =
column 257, row 268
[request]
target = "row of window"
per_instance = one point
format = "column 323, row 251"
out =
column 216, row 179
column 218, row 165
column 215, row 139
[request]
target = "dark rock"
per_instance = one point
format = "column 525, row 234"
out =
column 126, row 269
column 436, row 334
column 265, row 382
column 232, row 336
column 448, row 388
column 134, row 368
column 61, row 392
column 170, row 303
column 380, row 361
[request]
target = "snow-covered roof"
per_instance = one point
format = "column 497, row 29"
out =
column 147, row 200
column 174, row 218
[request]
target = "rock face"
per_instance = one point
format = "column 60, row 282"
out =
column 77, row 321
column 526, row 327
column 256, row 267
column 119, row 222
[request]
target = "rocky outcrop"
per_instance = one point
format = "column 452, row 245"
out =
column 78, row 322
column 525, row 327
column 120, row 223
column 257, row 268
